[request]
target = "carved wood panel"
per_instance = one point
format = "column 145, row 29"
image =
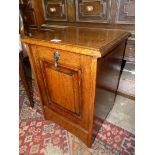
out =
column 92, row 10
column 126, row 11
column 55, row 10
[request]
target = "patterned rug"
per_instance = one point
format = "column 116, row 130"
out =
column 41, row 137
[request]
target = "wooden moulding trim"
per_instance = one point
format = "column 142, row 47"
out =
column 63, row 46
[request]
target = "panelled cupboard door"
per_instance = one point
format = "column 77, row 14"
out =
column 60, row 85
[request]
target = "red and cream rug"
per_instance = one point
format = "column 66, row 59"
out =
column 41, row 137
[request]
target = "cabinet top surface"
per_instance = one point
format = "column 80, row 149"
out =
column 89, row 41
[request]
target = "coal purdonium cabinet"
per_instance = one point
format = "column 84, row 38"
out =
column 77, row 72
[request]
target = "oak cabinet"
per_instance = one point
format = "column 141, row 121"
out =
column 74, row 74
column 94, row 11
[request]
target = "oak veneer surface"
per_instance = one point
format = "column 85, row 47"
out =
column 90, row 61
column 91, row 41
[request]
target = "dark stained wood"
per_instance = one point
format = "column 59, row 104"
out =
column 55, row 10
column 24, row 80
column 29, row 18
column 88, row 57
column 93, row 11
column 22, row 57
column 96, row 11
column 32, row 13
column 33, row 68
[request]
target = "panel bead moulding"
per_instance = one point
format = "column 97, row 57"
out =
column 55, row 10
column 126, row 11
column 93, row 11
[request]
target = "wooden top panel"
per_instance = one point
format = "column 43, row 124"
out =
column 88, row 41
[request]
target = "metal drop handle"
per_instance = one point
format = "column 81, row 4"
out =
column 56, row 58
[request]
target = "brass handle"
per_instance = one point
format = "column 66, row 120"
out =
column 53, row 10
column 89, row 8
column 56, row 58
